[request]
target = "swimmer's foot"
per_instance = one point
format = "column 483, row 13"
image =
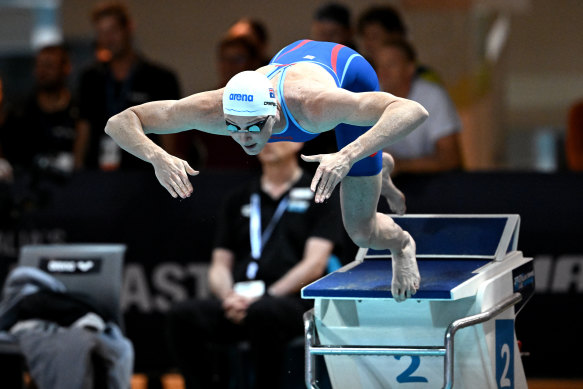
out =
column 405, row 271
column 394, row 196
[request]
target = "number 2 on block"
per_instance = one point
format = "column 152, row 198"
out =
column 407, row 375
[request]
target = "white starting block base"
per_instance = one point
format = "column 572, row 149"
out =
column 408, row 342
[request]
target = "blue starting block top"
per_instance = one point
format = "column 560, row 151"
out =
column 450, row 252
column 372, row 279
column 458, row 235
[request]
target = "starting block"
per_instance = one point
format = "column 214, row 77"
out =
column 473, row 283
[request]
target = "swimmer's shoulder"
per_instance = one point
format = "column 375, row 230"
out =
column 266, row 69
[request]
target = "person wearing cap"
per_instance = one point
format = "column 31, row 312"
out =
column 308, row 88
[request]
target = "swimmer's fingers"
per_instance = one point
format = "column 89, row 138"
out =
column 189, row 170
column 173, row 185
column 334, row 178
column 328, row 181
column 181, row 185
column 321, row 181
column 333, row 168
column 171, row 172
column 169, row 187
column 314, row 158
column 184, row 180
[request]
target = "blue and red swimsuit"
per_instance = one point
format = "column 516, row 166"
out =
column 350, row 71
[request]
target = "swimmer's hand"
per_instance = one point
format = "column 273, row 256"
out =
column 172, row 172
column 333, row 168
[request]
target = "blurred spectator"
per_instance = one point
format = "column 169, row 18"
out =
column 434, row 145
column 380, row 24
column 41, row 132
column 5, row 166
column 235, row 55
column 376, row 26
column 120, row 78
column 256, row 275
column 331, row 23
column 256, row 32
column 574, row 138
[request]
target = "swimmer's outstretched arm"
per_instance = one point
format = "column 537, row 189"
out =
column 391, row 118
column 202, row 111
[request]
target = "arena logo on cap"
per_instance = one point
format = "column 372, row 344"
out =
column 271, row 93
column 240, row 97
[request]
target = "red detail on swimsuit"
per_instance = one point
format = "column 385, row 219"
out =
column 372, row 155
column 295, row 48
column 334, row 56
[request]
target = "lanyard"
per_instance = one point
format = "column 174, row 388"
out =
column 258, row 239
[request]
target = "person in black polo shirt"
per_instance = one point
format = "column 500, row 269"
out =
column 41, row 131
column 119, row 78
column 271, row 240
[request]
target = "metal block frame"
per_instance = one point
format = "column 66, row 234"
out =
column 313, row 348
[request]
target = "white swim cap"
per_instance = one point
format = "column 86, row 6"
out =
column 249, row 93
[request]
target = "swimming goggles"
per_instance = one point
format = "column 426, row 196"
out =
column 257, row 127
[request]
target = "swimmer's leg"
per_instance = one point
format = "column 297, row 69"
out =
column 394, row 196
column 367, row 228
